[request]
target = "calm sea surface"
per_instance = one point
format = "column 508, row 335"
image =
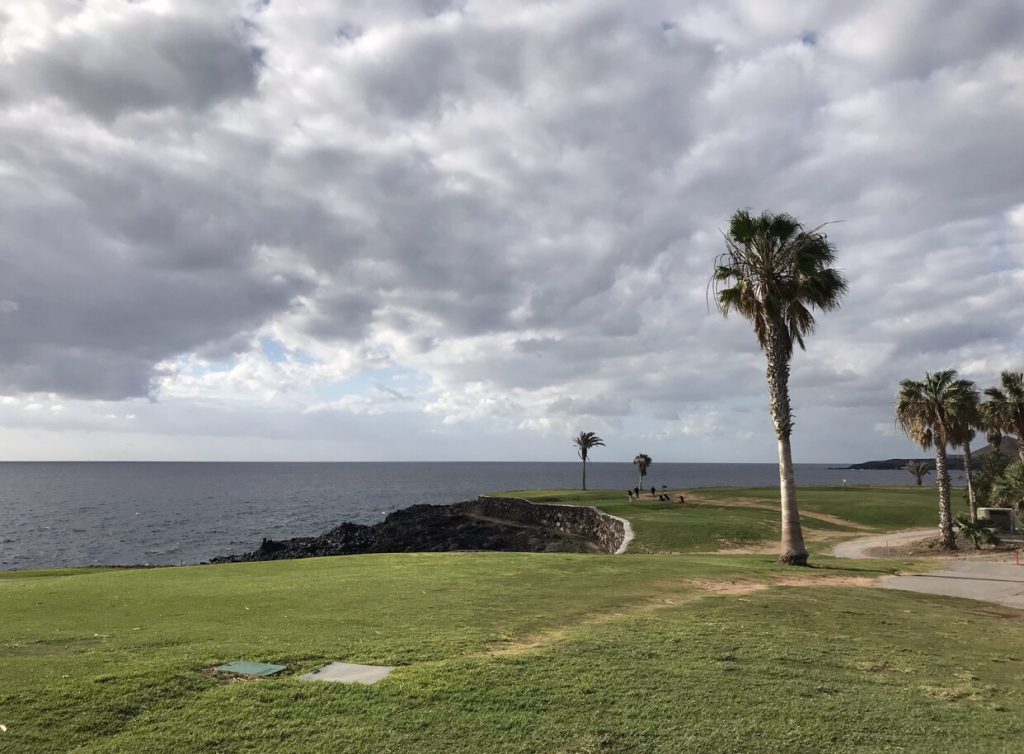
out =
column 70, row 514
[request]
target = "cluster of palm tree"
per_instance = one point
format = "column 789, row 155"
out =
column 776, row 273
column 586, row 441
column 944, row 410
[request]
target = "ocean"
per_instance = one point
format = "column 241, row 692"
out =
column 76, row 514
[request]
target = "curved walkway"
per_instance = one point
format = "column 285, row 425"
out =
column 858, row 549
column 983, row 580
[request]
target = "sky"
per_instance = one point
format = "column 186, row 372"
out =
column 444, row 230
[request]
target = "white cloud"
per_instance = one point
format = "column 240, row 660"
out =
column 515, row 208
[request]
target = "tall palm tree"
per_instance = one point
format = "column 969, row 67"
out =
column 584, row 443
column 919, row 470
column 642, row 462
column 962, row 433
column 1007, row 406
column 927, row 411
column 774, row 272
column 989, row 422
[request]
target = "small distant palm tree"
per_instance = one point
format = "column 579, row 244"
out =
column 927, row 411
column 1006, row 406
column 919, row 470
column 979, row 532
column 584, row 443
column 774, row 272
column 642, row 462
column 1008, row 488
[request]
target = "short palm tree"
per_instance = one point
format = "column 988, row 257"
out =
column 584, row 443
column 642, row 463
column 919, row 470
column 774, row 272
column 928, row 411
column 979, row 532
column 1008, row 488
column 1006, row 406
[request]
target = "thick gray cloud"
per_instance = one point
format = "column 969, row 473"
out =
column 137, row 60
column 514, row 208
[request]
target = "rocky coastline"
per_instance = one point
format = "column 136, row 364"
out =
column 488, row 523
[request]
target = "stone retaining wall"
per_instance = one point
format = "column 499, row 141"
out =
column 610, row 533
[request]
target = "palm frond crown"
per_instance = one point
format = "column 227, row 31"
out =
column 774, row 272
column 932, row 411
column 1006, row 403
column 585, row 441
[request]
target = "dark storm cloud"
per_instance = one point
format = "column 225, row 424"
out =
column 140, row 61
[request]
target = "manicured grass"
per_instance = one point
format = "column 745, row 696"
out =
column 513, row 652
column 670, row 527
column 882, row 507
column 595, row 653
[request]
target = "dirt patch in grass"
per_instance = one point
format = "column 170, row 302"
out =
column 807, row 582
column 746, row 502
column 730, row 587
column 928, row 548
column 848, row 582
column 702, row 588
column 770, row 548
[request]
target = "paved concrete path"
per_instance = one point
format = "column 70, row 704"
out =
column 857, row 549
column 1002, row 583
column 983, row 580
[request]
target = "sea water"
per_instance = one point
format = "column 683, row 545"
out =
column 73, row 514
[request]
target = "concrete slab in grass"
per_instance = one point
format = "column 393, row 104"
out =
column 344, row 672
column 250, row 668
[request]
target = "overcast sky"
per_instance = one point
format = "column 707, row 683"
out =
column 430, row 230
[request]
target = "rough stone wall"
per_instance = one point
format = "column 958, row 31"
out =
column 610, row 533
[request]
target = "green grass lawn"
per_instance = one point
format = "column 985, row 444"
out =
column 507, row 652
column 703, row 526
column 882, row 507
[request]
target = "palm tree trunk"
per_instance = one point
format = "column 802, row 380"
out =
column 942, row 480
column 584, row 473
column 971, row 499
column 793, row 551
column 640, row 484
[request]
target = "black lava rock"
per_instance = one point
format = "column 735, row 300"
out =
column 419, row 528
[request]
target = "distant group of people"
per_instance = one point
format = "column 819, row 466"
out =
column 634, row 494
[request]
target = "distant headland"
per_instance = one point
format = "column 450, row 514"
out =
column 955, row 462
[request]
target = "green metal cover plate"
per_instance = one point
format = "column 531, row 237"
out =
column 250, row 668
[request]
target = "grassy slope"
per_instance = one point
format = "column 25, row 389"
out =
column 599, row 654
column 703, row 526
column 882, row 507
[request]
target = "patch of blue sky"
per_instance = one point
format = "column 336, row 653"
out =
column 276, row 352
column 374, row 382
